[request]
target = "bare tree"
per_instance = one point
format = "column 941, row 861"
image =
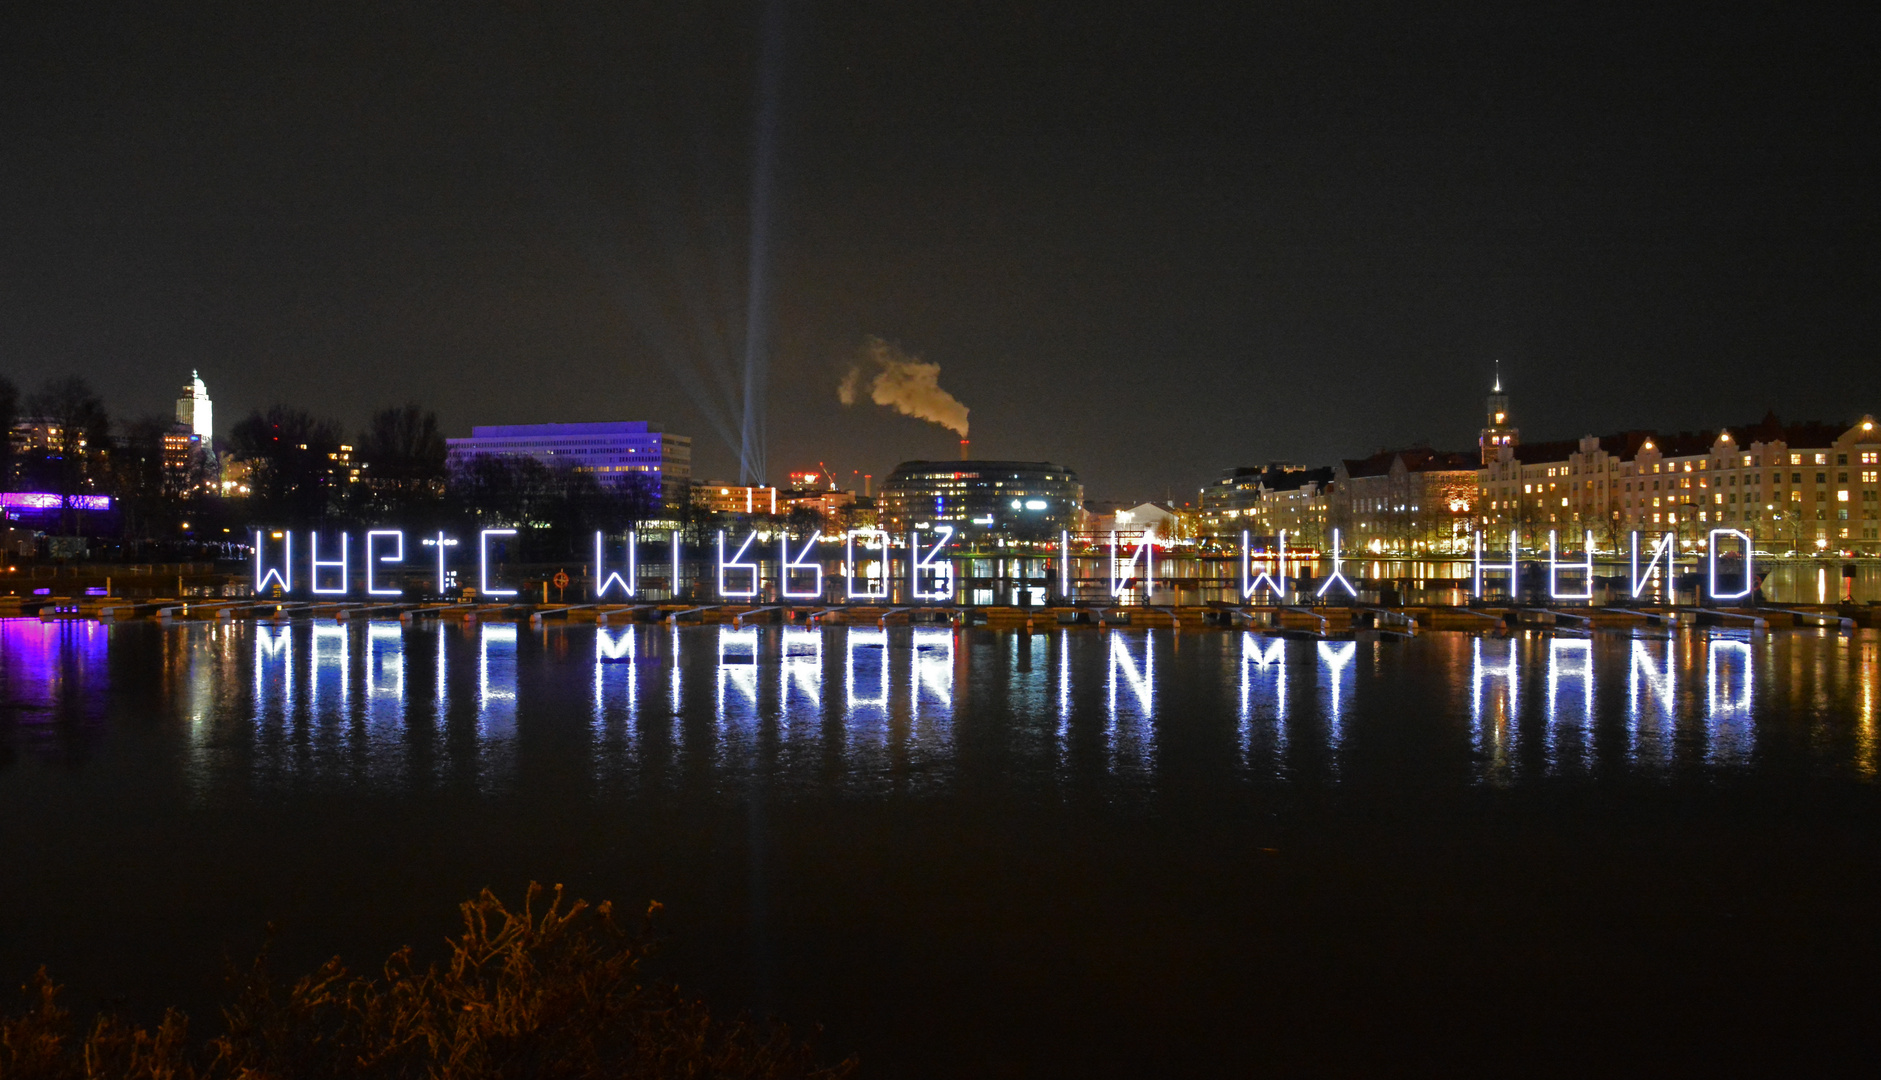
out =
column 77, row 426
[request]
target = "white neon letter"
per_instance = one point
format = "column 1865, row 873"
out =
column 606, row 577
column 736, row 594
column 1712, row 545
column 1276, row 581
column 372, row 558
column 483, row 563
column 441, row 546
column 1337, row 575
column 1145, row 550
column 313, row 578
column 283, row 573
column 674, row 589
column 1064, row 563
column 1515, row 548
column 1587, row 592
column 869, row 591
column 943, row 569
column 787, row 564
column 1662, row 548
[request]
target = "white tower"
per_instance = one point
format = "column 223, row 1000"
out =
column 194, row 409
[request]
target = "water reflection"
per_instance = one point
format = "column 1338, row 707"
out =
column 1570, row 708
column 385, row 676
column 1651, row 698
column 1495, row 685
column 1131, row 684
column 865, row 669
column 332, row 646
column 616, row 676
column 496, row 680
column 1264, row 704
column 800, row 668
column 1727, row 700
column 317, row 702
column 932, row 673
column 738, row 671
column 274, row 672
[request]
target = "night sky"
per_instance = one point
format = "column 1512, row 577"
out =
column 1146, row 242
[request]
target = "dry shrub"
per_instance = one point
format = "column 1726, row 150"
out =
column 551, row 990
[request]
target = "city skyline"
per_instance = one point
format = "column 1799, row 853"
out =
column 1244, row 235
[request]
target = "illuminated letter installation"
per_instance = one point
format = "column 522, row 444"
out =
column 373, row 558
column 787, row 564
column 1336, row 574
column 736, row 594
column 870, row 589
column 313, row 579
column 942, row 569
column 1276, row 581
column 1145, row 550
column 1662, row 548
column 1712, row 546
column 1515, row 548
column 283, row 574
column 483, row 563
column 1587, row 591
column 442, row 579
column 673, row 589
column 608, row 577
column 1064, row 563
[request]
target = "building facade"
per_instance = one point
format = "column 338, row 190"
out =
column 725, row 497
column 1409, row 502
column 1021, row 499
column 1263, row 500
column 1790, row 487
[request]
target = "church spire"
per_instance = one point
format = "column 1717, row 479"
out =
column 1498, row 432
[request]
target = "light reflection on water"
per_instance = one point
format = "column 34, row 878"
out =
column 876, row 710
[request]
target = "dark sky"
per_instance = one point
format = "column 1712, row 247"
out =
column 1147, row 242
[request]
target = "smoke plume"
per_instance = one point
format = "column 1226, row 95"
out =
column 903, row 383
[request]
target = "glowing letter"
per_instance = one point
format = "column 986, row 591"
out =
column 787, row 564
column 441, row 546
column 373, row 558
column 284, row 573
column 1064, row 565
column 313, row 578
column 607, row 577
column 1553, row 570
column 483, row 564
column 1712, row 546
column 1277, row 581
column 674, row 589
column 870, row 589
column 1662, row 548
column 1336, row 574
column 736, row 594
column 1514, row 549
column 942, row 569
column 1145, row 550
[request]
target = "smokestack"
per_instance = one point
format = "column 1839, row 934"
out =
column 963, row 450
column 866, row 493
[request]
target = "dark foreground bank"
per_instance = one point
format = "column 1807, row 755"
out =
column 551, row 990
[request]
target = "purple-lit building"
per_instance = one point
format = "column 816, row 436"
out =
column 615, row 451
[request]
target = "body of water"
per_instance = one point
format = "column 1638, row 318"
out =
column 1073, row 852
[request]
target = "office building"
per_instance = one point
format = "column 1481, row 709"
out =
column 1033, row 500
column 616, row 452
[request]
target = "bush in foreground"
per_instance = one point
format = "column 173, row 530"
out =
column 552, row 990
